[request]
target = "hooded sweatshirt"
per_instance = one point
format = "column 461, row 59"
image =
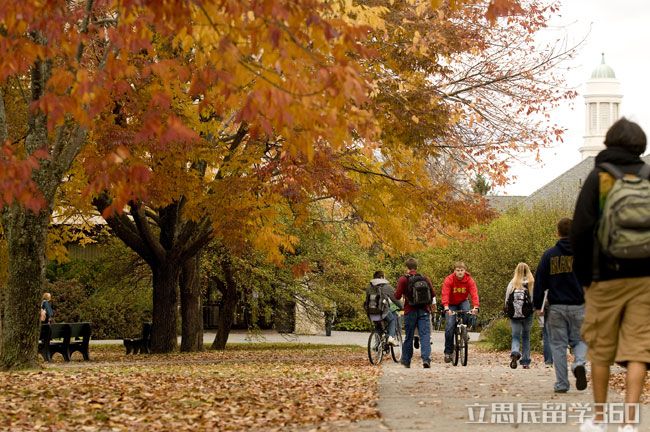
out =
column 455, row 291
column 585, row 219
column 555, row 274
column 387, row 291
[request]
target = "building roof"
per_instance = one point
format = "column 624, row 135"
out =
column 561, row 192
column 603, row 70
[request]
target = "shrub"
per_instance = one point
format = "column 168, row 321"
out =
column 112, row 291
column 498, row 334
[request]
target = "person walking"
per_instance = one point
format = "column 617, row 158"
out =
column 565, row 308
column 519, row 308
column 414, row 287
column 617, row 297
column 456, row 290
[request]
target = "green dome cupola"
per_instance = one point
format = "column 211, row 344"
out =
column 603, row 71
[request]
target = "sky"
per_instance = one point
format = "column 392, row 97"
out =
column 621, row 30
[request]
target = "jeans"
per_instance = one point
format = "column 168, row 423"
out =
column 391, row 322
column 546, row 340
column 521, row 338
column 451, row 323
column 422, row 320
column 564, row 322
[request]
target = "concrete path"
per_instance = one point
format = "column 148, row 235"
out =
column 441, row 398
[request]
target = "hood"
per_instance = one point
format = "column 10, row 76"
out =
column 378, row 282
column 618, row 156
column 564, row 245
column 465, row 278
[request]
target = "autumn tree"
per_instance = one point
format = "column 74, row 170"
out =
column 66, row 58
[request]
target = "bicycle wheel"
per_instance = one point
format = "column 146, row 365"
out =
column 464, row 339
column 396, row 351
column 375, row 348
column 456, row 346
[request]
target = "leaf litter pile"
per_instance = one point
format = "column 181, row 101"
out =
column 263, row 387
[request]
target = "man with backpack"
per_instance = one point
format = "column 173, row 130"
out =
column 565, row 308
column 456, row 290
column 381, row 304
column 418, row 292
column 611, row 240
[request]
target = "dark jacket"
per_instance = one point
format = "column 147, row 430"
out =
column 585, row 220
column 387, row 290
column 555, row 274
column 402, row 285
column 48, row 310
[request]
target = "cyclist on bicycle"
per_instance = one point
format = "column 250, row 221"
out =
column 388, row 311
column 415, row 315
column 456, row 289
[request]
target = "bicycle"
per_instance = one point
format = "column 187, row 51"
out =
column 378, row 345
column 461, row 338
column 438, row 320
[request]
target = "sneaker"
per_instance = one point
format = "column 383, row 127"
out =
column 561, row 390
column 590, row 426
column 426, row 365
column 628, row 428
column 525, row 367
column 448, row 358
column 581, row 377
column 416, row 343
column 392, row 341
column 406, row 365
column 548, row 365
column 513, row 360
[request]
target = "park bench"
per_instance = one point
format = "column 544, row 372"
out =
column 65, row 339
column 141, row 344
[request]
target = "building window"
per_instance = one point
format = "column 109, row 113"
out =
column 593, row 119
column 603, row 116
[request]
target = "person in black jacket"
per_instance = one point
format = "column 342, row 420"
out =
column 565, row 308
column 617, row 297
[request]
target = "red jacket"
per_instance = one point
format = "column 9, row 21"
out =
column 402, row 284
column 455, row 291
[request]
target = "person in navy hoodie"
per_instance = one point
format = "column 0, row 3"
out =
column 566, row 308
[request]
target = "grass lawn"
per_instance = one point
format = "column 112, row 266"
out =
column 261, row 387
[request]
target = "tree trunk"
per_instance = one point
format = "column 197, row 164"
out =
column 191, row 313
column 26, row 234
column 226, row 307
column 165, row 302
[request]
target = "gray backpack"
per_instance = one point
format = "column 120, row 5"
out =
column 624, row 227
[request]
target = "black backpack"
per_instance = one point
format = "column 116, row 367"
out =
column 418, row 291
column 376, row 301
column 519, row 305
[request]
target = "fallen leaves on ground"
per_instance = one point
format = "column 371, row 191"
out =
column 262, row 388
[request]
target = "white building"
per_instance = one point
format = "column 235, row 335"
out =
column 603, row 98
column 602, row 106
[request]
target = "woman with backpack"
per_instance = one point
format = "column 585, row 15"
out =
column 519, row 308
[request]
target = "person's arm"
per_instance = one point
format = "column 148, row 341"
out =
column 390, row 293
column 541, row 280
column 445, row 291
column 585, row 219
column 508, row 291
column 538, row 290
column 473, row 292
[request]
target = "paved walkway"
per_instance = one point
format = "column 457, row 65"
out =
column 440, row 399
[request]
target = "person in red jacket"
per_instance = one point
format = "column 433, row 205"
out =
column 456, row 289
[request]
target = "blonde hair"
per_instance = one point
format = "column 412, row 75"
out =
column 460, row 264
column 522, row 275
column 47, row 296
